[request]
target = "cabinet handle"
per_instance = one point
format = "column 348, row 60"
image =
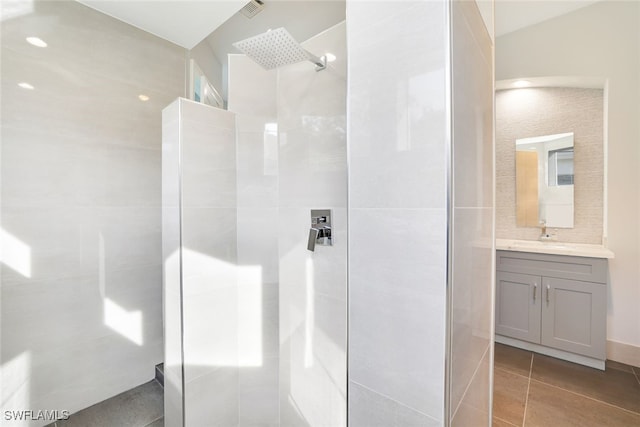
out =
column 535, row 290
column 548, row 291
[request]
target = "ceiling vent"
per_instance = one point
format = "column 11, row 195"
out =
column 252, row 8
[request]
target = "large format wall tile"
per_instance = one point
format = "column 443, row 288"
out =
column 397, row 209
column 291, row 157
column 397, row 311
column 252, row 96
column 404, row 209
column 209, row 283
column 397, row 136
column 312, row 168
column 81, row 194
column 374, row 410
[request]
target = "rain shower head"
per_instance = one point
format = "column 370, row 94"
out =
column 276, row 48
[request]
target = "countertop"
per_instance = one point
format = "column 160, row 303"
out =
column 554, row 248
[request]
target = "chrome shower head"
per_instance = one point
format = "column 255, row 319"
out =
column 276, row 48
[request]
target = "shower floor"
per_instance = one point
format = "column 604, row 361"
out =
column 139, row 407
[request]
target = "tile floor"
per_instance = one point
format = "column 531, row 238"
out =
column 139, row 407
column 532, row 390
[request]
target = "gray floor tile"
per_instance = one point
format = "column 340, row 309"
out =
column 513, row 359
column 612, row 386
column 509, row 396
column 551, row 406
column 138, row 407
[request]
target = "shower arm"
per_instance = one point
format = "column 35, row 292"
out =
column 320, row 62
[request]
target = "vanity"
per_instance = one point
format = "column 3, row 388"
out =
column 551, row 298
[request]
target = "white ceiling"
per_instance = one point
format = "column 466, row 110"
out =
column 188, row 22
column 183, row 22
column 512, row 15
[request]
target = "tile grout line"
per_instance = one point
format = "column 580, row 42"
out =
column 526, row 399
column 504, row 421
column 394, row 400
column 510, row 372
column 588, row 397
column 633, row 369
column 473, row 377
column 155, row 420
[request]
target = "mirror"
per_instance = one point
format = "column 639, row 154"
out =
column 544, row 181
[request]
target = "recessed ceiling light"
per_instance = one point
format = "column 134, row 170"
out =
column 36, row 41
column 521, row 83
column 330, row 57
column 143, row 98
column 25, row 85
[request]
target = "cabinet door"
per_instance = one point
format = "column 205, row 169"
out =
column 518, row 306
column 574, row 316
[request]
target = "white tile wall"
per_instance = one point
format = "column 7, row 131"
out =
column 201, row 156
column 398, row 209
column 368, row 408
column 172, row 302
column 397, row 213
column 312, row 175
column 252, row 96
column 80, row 173
column 288, row 141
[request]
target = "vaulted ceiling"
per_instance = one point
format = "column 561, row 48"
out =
column 187, row 22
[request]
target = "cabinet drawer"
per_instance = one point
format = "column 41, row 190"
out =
column 560, row 266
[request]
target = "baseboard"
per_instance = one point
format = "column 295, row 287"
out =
column 623, row 353
column 547, row 351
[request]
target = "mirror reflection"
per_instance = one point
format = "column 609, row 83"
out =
column 544, row 181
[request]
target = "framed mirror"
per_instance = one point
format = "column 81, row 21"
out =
column 544, row 181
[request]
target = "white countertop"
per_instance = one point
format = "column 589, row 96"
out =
column 554, row 248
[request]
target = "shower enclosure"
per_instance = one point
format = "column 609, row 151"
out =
column 255, row 322
column 322, row 205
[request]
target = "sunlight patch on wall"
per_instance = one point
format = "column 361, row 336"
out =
column 309, row 324
column 126, row 323
column 15, row 254
column 14, row 377
column 328, row 375
column 249, row 315
column 222, row 312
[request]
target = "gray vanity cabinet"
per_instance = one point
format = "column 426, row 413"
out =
column 556, row 301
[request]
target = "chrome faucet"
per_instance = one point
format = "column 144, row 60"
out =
column 543, row 227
